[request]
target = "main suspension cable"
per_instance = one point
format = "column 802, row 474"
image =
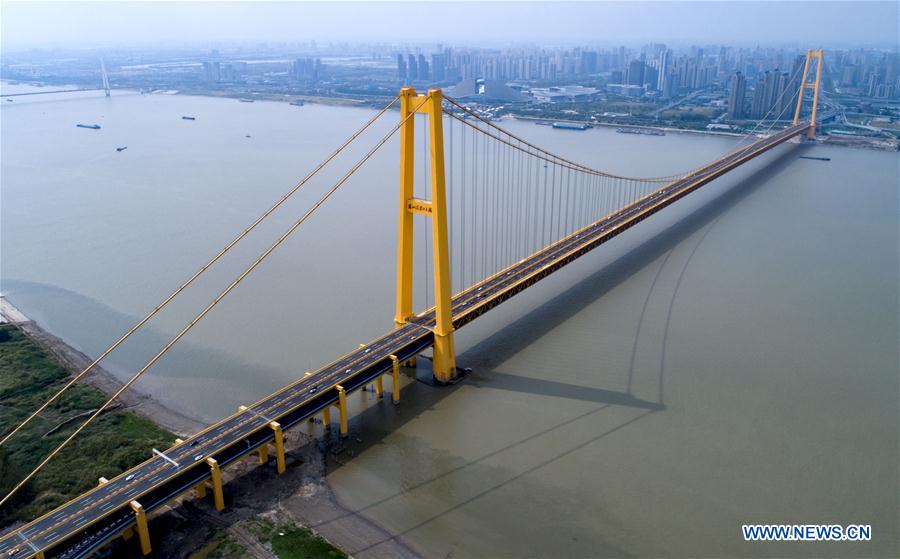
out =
column 198, row 273
column 547, row 155
column 212, row 304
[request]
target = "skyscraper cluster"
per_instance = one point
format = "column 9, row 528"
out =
column 307, row 69
column 869, row 73
column 655, row 68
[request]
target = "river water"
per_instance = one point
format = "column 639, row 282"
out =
column 732, row 360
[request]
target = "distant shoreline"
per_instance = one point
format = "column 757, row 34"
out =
column 861, row 142
column 879, row 144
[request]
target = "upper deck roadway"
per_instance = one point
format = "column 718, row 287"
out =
column 80, row 526
column 49, row 92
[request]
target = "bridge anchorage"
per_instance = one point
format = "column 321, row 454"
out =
column 534, row 213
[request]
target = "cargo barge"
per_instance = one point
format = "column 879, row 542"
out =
column 641, row 131
column 570, row 126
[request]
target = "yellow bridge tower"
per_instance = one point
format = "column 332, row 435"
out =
column 436, row 209
column 804, row 85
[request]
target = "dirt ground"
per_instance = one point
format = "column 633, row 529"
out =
column 254, row 491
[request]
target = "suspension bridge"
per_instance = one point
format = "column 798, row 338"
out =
column 104, row 86
column 536, row 213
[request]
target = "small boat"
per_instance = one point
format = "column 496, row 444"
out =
column 123, row 148
column 814, row 158
column 247, row 136
column 9, row 100
column 188, row 118
column 297, row 103
column 91, row 126
column 245, row 100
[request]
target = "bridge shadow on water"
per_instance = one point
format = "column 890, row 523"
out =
column 371, row 426
column 505, row 343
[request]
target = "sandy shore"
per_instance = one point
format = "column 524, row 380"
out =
column 76, row 361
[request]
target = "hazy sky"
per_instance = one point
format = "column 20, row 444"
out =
column 810, row 23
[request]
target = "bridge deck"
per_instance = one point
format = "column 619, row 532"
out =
column 49, row 92
column 80, row 526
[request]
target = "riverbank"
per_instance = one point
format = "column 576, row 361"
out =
column 117, row 440
column 260, row 504
column 287, row 98
column 75, row 361
column 860, row 142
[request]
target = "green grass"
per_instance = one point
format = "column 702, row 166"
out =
column 219, row 546
column 113, row 443
column 296, row 542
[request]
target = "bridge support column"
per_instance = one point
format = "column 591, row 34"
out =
column 395, row 377
column 342, row 408
column 326, row 417
column 140, row 517
column 379, row 387
column 200, row 490
column 216, row 475
column 264, row 454
column 279, row 446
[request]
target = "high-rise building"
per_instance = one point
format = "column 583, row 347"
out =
column 664, row 59
column 874, row 82
column 773, row 90
column 212, row 72
column 736, row 99
column 589, row 62
column 423, row 67
column 636, row 72
column 785, row 97
column 401, row 68
column 848, row 76
column 438, row 67
column 758, row 108
column 412, row 67
column 792, row 87
column 670, row 86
